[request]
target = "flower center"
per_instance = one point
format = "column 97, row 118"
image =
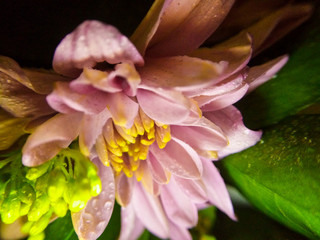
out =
column 126, row 147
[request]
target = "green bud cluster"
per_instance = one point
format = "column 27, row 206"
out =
column 66, row 182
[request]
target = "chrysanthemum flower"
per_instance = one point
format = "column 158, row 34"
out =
column 153, row 113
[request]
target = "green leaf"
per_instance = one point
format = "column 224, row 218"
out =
column 61, row 228
column 295, row 87
column 280, row 175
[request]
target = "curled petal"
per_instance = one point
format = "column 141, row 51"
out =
column 178, row 158
column 124, row 186
column 236, row 52
column 64, row 100
column 203, row 134
column 131, row 226
column 182, row 73
column 38, row 80
column 162, row 105
column 20, row 100
column 122, row 108
column 90, row 43
column 178, row 206
column 50, row 137
column 216, row 188
column 230, row 121
column 91, row 128
column 191, row 25
column 276, row 25
column 11, row 129
column 260, row 74
column 147, row 28
column 91, row 221
column 151, row 214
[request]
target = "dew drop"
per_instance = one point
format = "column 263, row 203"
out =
column 108, row 205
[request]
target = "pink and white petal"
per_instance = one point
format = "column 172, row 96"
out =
column 92, row 42
column 194, row 27
column 202, row 134
column 149, row 25
column 276, row 25
column 124, row 186
column 131, row 226
column 178, row 232
column 216, row 188
column 149, row 210
column 20, row 100
column 260, row 74
column 158, row 173
column 91, row 128
column 225, row 100
column 230, row 121
column 91, row 221
column 50, row 137
column 65, row 100
column 182, row 73
column 178, row 158
column 126, row 77
column 194, row 189
column 178, row 206
column 122, row 108
column 235, row 52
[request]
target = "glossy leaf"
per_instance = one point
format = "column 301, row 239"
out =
column 295, row 87
column 280, row 175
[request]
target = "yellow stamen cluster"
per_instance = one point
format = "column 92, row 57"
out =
column 123, row 148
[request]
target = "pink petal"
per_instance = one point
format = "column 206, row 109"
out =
column 150, row 212
column 218, row 102
column 131, row 226
column 216, row 188
column 190, row 29
column 50, row 137
column 230, row 121
column 90, row 43
column 194, row 189
column 178, row 232
column 178, row 206
column 156, row 169
column 236, row 52
column 91, row 128
column 91, row 221
column 260, row 74
column 203, row 134
column 178, row 158
column 122, row 108
column 162, row 105
column 182, row 73
column 147, row 28
column 124, row 186
column 64, row 100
